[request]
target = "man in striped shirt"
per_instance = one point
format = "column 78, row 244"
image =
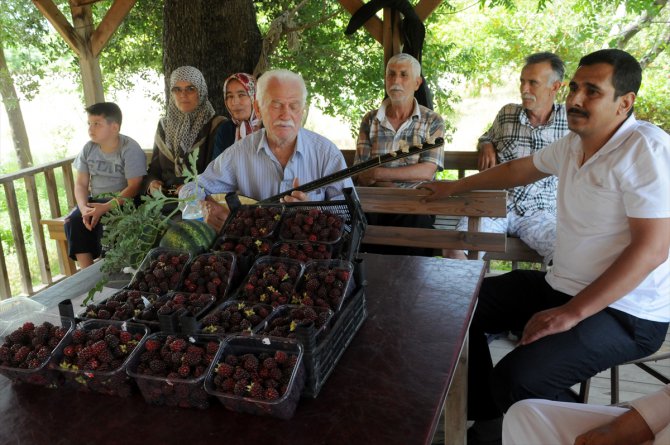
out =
column 400, row 122
column 520, row 130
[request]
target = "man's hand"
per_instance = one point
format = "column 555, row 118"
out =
column 438, row 189
column 487, row 156
column 366, row 178
column 215, row 213
column 627, row 429
column 94, row 212
column 155, row 186
column 295, row 196
column 548, row 322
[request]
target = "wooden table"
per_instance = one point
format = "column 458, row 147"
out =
column 388, row 388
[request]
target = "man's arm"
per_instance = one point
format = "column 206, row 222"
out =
column 423, row 171
column 627, row 429
column 648, row 248
column 487, row 155
column 509, row 174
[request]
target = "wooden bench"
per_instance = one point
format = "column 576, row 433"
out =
column 474, row 205
column 56, row 228
column 516, row 251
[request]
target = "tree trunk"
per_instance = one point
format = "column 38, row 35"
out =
column 13, row 108
column 219, row 37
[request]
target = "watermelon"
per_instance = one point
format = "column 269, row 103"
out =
column 194, row 236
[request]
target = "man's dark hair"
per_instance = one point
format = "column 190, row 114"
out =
column 109, row 110
column 557, row 65
column 627, row 75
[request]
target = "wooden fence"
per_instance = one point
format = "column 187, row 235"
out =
column 30, row 177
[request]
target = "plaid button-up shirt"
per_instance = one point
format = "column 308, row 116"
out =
column 514, row 137
column 377, row 137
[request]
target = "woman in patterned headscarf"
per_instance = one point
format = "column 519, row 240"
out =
column 190, row 125
column 239, row 91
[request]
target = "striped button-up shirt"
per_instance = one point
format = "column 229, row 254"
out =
column 250, row 168
column 514, row 137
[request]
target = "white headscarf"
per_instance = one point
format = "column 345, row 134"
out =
column 181, row 129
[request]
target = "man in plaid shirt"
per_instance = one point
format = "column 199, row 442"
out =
column 518, row 131
column 400, row 122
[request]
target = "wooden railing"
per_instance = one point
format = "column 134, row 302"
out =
column 30, row 178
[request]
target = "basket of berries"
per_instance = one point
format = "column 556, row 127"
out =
column 340, row 224
column 325, row 283
column 288, row 320
column 93, row 356
column 170, row 369
column 160, row 271
column 256, row 221
column 210, row 273
column 26, row 350
column 123, row 305
column 271, row 280
column 262, row 376
column 235, row 317
column 302, row 251
column 246, row 249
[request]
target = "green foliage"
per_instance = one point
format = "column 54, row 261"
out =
column 653, row 101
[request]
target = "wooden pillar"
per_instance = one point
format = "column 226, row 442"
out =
column 91, row 76
column 391, row 34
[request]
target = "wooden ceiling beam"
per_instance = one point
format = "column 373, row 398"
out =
column 425, row 8
column 60, row 23
column 374, row 25
column 109, row 24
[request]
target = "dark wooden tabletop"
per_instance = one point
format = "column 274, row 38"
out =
column 388, row 388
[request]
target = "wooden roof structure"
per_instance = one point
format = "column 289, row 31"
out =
column 87, row 40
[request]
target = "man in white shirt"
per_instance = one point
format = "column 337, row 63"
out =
column 605, row 301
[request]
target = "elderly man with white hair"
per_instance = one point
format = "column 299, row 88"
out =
column 275, row 159
column 400, row 121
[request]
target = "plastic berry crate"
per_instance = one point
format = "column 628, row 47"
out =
column 349, row 209
column 14, row 311
column 210, row 273
column 326, row 282
column 242, row 221
column 154, row 316
column 165, row 386
column 321, row 357
column 282, row 407
column 252, row 316
column 41, row 374
column 287, row 320
column 145, row 278
column 112, row 381
column 265, row 285
column 121, row 306
column 302, row 250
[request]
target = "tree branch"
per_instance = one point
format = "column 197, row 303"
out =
column 657, row 49
column 643, row 21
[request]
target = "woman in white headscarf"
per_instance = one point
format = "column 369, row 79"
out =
column 190, row 125
column 239, row 91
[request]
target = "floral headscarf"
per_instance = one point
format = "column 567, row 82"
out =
column 181, row 129
column 248, row 82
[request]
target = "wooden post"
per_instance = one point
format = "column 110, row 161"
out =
column 19, row 240
column 84, row 39
column 456, row 406
column 91, row 76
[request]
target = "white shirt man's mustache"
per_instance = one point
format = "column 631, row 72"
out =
column 528, row 96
